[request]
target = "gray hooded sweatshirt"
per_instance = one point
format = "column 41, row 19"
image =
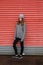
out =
column 20, row 31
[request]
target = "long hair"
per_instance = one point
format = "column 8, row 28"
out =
column 22, row 22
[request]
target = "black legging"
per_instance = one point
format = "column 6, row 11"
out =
column 21, row 44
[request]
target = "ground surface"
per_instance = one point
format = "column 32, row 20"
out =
column 27, row 60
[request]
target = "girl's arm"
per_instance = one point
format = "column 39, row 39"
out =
column 24, row 30
column 15, row 32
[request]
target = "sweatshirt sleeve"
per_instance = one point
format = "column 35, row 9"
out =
column 15, row 32
column 24, row 30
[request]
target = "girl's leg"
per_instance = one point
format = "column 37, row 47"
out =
column 22, row 47
column 14, row 45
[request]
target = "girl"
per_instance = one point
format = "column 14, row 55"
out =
column 19, row 35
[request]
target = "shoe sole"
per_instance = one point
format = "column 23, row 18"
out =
column 20, row 58
column 14, row 57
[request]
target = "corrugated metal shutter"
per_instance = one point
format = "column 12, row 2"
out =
column 33, row 11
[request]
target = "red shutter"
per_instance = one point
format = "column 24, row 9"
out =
column 33, row 12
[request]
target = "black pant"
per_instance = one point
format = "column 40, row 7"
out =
column 21, row 44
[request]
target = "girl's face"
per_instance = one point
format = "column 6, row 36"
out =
column 20, row 19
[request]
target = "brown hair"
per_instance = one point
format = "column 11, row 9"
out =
column 22, row 22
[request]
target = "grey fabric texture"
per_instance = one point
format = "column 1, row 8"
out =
column 20, row 31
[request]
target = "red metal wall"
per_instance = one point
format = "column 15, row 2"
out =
column 33, row 11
